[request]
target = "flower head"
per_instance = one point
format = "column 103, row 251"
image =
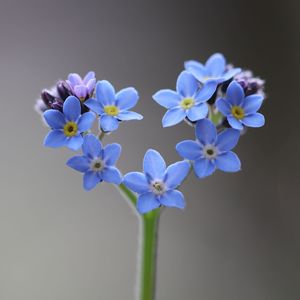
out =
column 240, row 110
column 214, row 70
column 187, row 101
column 113, row 107
column 68, row 125
column 97, row 163
column 82, row 88
column 157, row 185
column 211, row 151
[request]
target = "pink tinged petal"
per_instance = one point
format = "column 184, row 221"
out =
column 173, row 199
column 167, row 98
column 86, row 121
column 228, row 139
column 111, row 154
column 137, row 182
column 154, row 165
column 176, row 173
column 90, row 86
column 189, row 149
column 186, row 84
column 223, row 106
column 203, row 167
column 89, row 76
column 105, row 93
column 235, row 93
column 72, row 108
column 127, row 98
column 81, row 91
column 173, row 117
column 75, row 142
column 206, row 132
column 198, row 112
column 234, row 123
column 74, row 79
column 55, row 139
column 54, row 118
column 228, row 162
column 254, row 120
column 90, row 180
column 147, row 202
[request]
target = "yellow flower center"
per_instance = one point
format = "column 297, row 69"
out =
column 187, row 103
column 70, row 129
column 111, row 110
column 238, row 112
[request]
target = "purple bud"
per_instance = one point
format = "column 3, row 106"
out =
column 63, row 90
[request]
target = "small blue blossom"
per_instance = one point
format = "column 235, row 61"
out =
column 240, row 110
column 68, row 125
column 113, row 107
column 214, row 70
column 157, row 185
column 187, row 101
column 82, row 88
column 211, row 151
column 97, row 163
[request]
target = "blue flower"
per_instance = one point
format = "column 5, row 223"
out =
column 68, row 125
column 187, row 101
column 113, row 107
column 157, row 185
column 241, row 110
column 97, row 163
column 214, row 71
column 82, row 88
column 211, row 150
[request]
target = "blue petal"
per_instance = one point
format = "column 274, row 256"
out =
column 89, row 76
column 206, row 132
column 206, row 91
column 197, row 112
column 90, row 180
column 147, row 202
column 105, row 93
column 79, row 163
column 91, row 146
column 254, row 120
column 252, row 103
column 223, row 106
column 167, row 98
column 54, row 118
column 186, row 84
column 173, row 199
column 228, row 139
column 228, row 162
column 111, row 154
column 235, row 93
column 94, row 105
column 189, row 149
column 231, row 73
column 137, row 182
column 72, row 108
column 195, row 66
column 173, row 117
column 74, row 142
column 127, row 98
column 204, row 167
column 216, row 65
column 108, row 123
column 129, row 115
column 234, row 123
column 154, row 165
column 112, row 175
column 85, row 121
column 55, row 139
column 176, row 173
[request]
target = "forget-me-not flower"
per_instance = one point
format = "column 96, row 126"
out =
column 97, row 163
column 211, row 151
column 68, row 125
column 187, row 101
column 213, row 71
column 113, row 107
column 157, row 185
column 241, row 110
column 82, row 88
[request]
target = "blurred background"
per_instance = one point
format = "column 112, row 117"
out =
column 239, row 235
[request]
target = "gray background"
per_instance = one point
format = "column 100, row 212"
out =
column 239, row 235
